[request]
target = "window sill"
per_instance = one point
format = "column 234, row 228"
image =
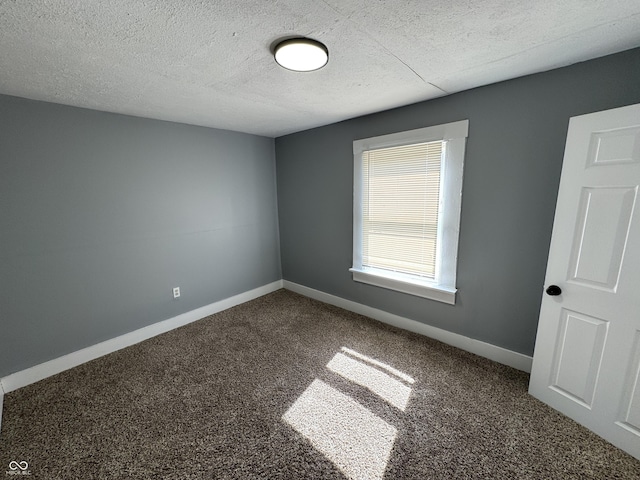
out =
column 439, row 293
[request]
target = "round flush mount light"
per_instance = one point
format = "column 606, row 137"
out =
column 301, row 54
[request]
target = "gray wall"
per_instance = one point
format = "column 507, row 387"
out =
column 514, row 155
column 102, row 214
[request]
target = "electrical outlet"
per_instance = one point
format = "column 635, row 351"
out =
column 176, row 292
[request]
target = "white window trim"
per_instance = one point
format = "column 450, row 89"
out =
column 443, row 289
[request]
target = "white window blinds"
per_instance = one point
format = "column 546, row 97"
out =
column 400, row 203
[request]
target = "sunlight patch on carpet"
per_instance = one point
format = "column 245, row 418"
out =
column 394, row 371
column 346, row 432
column 354, row 439
column 382, row 384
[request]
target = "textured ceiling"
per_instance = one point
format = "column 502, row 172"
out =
column 209, row 62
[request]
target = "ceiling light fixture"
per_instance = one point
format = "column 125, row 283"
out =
column 301, row 54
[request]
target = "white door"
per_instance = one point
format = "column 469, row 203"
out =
column 587, row 356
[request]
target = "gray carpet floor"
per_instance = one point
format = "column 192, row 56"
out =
column 284, row 387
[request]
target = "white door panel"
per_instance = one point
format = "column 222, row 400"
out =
column 616, row 146
column 587, row 357
column 578, row 356
column 629, row 417
column 604, row 217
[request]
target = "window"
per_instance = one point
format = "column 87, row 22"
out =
column 406, row 219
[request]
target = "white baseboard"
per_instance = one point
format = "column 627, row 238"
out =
column 1, row 400
column 487, row 350
column 52, row 367
column 44, row 370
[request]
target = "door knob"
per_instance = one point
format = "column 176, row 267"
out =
column 554, row 290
